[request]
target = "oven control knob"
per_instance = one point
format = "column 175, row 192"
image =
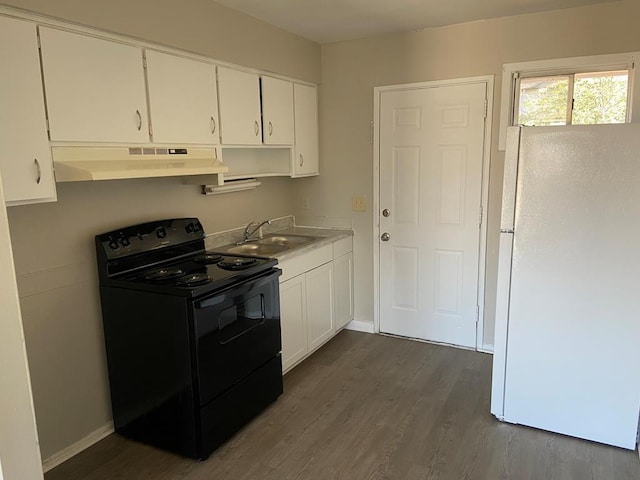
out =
column 161, row 232
column 113, row 245
column 190, row 228
column 197, row 227
column 125, row 242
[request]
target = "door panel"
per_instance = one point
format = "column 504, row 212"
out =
column 431, row 154
column 95, row 89
column 320, row 324
column 183, row 100
column 293, row 316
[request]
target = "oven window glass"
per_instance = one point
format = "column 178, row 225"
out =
column 241, row 317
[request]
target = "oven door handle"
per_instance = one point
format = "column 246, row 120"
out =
column 210, row 302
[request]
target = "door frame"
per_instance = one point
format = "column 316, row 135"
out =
column 488, row 81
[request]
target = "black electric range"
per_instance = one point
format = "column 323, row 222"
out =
column 192, row 337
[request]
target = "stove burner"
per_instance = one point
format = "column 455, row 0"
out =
column 239, row 263
column 163, row 275
column 207, row 258
column 193, row 279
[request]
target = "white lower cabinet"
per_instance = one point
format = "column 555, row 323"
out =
column 316, row 299
column 319, row 286
column 293, row 315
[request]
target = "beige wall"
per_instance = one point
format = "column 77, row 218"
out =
column 53, row 243
column 351, row 69
column 198, row 26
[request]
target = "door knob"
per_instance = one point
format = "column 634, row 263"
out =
column 385, row 237
column 386, row 212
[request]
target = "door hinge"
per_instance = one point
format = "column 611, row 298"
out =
column 477, row 313
column 371, row 132
column 48, row 129
column 144, row 60
column 39, row 42
column 481, row 215
column 150, row 130
column 486, row 108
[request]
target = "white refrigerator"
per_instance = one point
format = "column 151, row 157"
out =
column 567, row 346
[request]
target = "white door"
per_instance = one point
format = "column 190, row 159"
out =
column 277, row 111
column 183, row 99
column 431, row 156
column 320, row 324
column 306, row 152
column 25, row 155
column 94, row 89
column 293, row 319
column 240, row 114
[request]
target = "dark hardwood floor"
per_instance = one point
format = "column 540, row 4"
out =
column 373, row 407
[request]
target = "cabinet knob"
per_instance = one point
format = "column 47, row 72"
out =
column 301, row 159
column 386, row 212
column 270, row 128
column 213, row 125
column 139, row 115
column 38, row 171
column 257, row 127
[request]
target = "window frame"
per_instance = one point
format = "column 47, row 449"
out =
column 512, row 72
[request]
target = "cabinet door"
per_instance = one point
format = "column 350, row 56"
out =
column 25, row 157
column 320, row 324
column 94, row 88
column 343, row 294
column 277, row 111
column 293, row 321
column 240, row 122
column 183, row 101
column 306, row 158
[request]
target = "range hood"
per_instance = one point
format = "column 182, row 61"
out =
column 77, row 164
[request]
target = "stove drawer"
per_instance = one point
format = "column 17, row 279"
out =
column 236, row 407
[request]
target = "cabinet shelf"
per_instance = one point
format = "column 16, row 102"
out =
column 257, row 162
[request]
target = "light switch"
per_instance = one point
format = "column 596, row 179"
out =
column 359, row 204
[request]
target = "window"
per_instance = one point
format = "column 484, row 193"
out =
column 578, row 99
column 570, row 91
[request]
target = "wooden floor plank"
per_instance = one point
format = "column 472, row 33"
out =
column 368, row 407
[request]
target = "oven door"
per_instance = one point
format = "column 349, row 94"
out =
column 236, row 331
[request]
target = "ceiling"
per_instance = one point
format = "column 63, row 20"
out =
column 327, row 21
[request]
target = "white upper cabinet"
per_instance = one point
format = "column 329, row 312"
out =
column 277, row 111
column 239, row 107
column 25, row 157
column 306, row 153
column 183, row 100
column 95, row 89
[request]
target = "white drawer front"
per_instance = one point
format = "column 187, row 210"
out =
column 305, row 262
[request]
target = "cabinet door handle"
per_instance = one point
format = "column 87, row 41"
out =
column 257, row 127
column 213, row 125
column 270, row 128
column 301, row 159
column 38, row 171
column 139, row 115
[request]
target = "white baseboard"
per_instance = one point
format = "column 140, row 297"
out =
column 360, row 326
column 73, row 449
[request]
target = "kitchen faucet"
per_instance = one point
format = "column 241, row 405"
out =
column 246, row 236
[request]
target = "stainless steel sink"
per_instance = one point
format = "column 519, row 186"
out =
column 256, row 249
column 268, row 246
column 285, row 240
